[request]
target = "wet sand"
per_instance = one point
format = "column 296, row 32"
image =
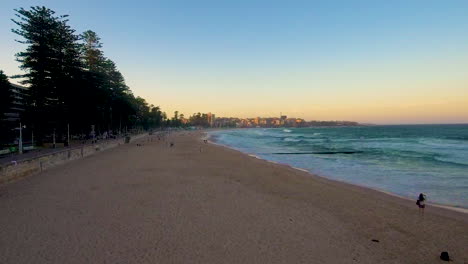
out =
column 157, row 204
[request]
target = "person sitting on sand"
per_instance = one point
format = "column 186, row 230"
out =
column 421, row 202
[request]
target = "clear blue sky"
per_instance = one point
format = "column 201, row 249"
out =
column 370, row 61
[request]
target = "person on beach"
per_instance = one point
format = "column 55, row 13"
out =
column 421, row 203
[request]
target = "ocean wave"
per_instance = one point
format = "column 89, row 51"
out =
column 289, row 139
column 287, row 130
column 454, row 161
column 462, row 138
column 444, row 143
column 300, row 142
column 318, row 152
column 260, row 133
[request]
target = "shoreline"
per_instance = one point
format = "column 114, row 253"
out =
column 204, row 203
column 210, row 138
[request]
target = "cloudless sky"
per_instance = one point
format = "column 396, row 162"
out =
column 368, row 61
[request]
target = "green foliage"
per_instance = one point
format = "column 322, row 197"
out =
column 175, row 121
column 91, row 50
column 52, row 65
column 199, row 119
column 5, row 95
column 5, row 104
column 70, row 80
column 156, row 117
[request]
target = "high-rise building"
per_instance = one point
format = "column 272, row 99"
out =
column 211, row 119
column 12, row 117
column 17, row 107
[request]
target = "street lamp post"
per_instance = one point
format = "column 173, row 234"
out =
column 68, row 135
column 53, row 138
column 20, row 142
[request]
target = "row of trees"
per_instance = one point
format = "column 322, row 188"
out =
column 5, row 103
column 199, row 119
column 71, row 81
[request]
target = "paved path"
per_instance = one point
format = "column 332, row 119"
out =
column 8, row 158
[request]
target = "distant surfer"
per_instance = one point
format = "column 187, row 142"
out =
column 421, row 202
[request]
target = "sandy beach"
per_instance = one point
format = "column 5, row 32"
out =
column 204, row 203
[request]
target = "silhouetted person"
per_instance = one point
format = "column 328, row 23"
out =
column 421, row 202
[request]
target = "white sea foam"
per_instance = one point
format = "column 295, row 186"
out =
column 291, row 139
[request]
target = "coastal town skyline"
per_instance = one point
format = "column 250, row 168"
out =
column 265, row 122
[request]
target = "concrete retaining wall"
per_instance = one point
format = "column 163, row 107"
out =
column 27, row 167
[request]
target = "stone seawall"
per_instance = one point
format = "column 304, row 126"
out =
column 16, row 170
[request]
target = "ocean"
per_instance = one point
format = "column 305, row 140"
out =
column 401, row 159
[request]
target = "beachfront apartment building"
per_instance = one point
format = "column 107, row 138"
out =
column 211, row 119
column 282, row 121
column 272, row 122
column 12, row 118
column 17, row 103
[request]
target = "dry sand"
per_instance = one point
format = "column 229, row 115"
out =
column 156, row 204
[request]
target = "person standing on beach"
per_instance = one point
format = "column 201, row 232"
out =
column 421, row 203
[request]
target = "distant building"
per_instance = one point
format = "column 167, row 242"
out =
column 18, row 102
column 211, row 119
column 12, row 117
column 183, row 120
column 272, row 122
